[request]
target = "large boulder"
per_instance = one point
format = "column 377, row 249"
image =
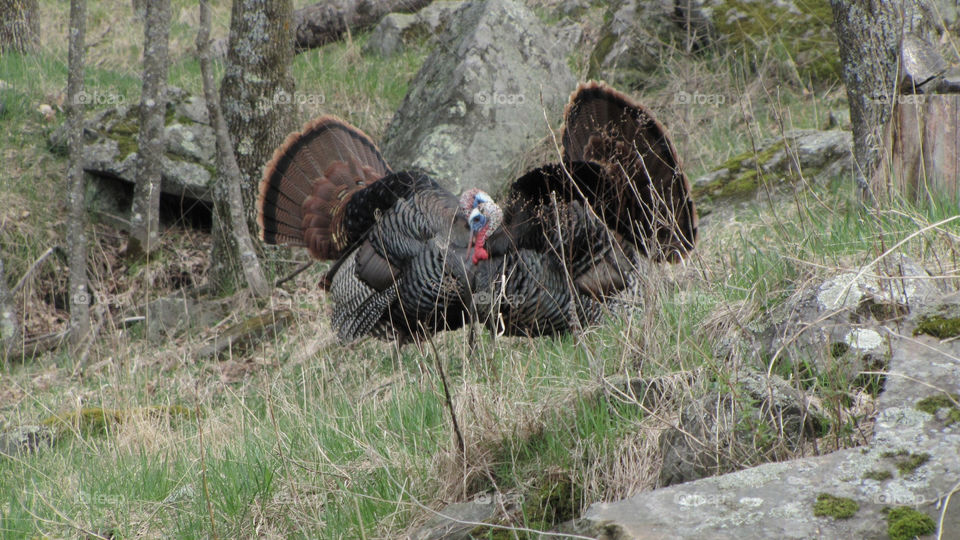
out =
column 110, row 152
column 477, row 104
column 896, row 486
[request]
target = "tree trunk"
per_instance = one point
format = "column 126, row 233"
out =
column 19, row 25
column 257, row 89
column 145, row 212
column 10, row 337
column 232, row 243
column 76, row 222
column 326, row 22
column 870, row 34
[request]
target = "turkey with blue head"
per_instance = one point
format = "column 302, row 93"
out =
column 412, row 259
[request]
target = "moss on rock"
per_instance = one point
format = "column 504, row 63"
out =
column 906, row 461
column 99, row 419
column 904, row 523
column 879, row 476
column 836, row 507
column 933, row 404
column 740, row 175
column 938, row 326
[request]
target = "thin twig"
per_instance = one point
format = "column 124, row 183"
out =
column 33, row 267
column 446, row 394
column 295, row 273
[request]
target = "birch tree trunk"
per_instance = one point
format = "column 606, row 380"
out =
column 76, row 222
column 19, row 25
column 870, row 34
column 145, row 212
column 232, row 243
column 256, row 93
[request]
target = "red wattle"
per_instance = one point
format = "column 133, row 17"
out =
column 480, row 254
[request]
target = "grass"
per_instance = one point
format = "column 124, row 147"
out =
column 301, row 437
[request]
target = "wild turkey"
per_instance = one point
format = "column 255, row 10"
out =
column 412, row 259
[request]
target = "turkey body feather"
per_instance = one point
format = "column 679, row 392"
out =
column 412, row 259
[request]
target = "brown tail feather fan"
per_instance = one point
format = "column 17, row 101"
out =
column 647, row 195
column 308, row 181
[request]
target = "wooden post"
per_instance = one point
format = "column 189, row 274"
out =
column 924, row 149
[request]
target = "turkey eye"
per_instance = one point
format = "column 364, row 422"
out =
column 477, row 220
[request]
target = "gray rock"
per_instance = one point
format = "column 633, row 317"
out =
column 24, row 439
column 195, row 142
column 634, row 40
column 168, row 316
column 713, row 436
column 840, row 321
column 776, row 500
column 639, row 34
column 949, row 83
column 477, row 104
column 110, row 136
column 813, row 153
column 920, row 62
column 387, row 38
column 450, row 523
column 572, row 8
column 395, row 31
column 193, row 108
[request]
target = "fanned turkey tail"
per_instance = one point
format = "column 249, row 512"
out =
column 642, row 192
column 306, row 185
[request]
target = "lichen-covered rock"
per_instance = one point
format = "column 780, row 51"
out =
column 911, row 461
column 397, row 30
column 477, row 104
column 818, row 154
column 27, row 438
column 110, row 152
column 795, row 36
column 838, row 325
column 719, row 433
